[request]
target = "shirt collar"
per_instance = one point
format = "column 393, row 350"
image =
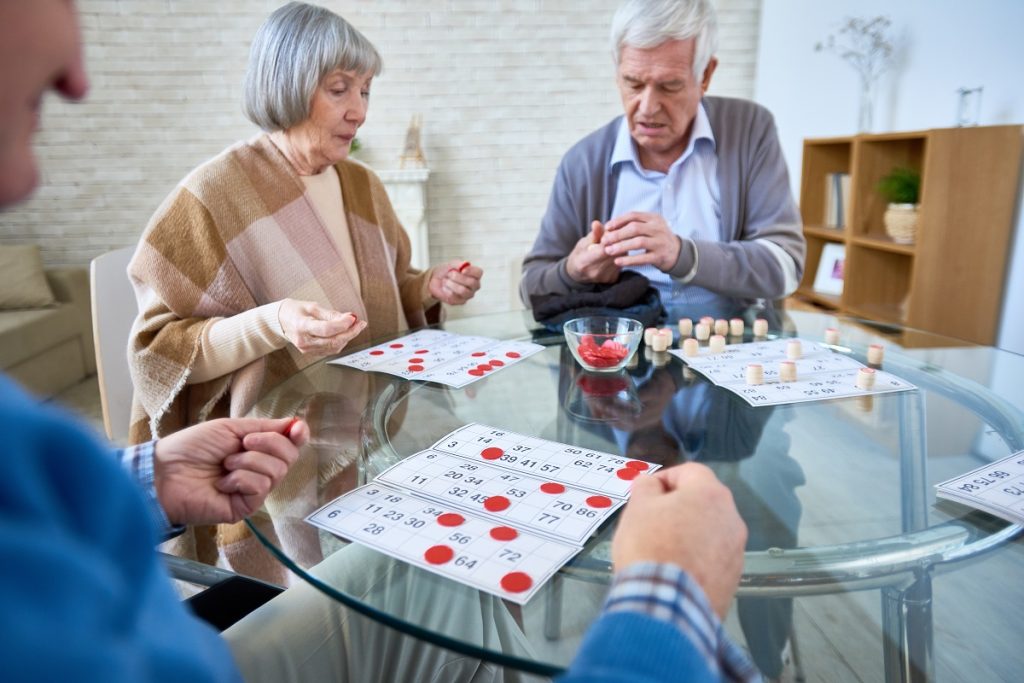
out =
column 625, row 148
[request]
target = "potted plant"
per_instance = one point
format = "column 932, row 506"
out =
column 901, row 188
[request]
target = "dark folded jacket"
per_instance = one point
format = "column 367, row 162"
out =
column 631, row 296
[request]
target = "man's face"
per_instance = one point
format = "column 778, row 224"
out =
column 660, row 97
column 39, row 50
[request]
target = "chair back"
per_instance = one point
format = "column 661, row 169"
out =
column 113, row 312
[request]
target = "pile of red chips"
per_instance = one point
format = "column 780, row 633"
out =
column 606, row 355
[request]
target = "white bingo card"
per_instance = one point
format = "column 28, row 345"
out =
column 821, row 373
column 997, row 488
column 491, row 557
column 542, row 500
column 443, row 357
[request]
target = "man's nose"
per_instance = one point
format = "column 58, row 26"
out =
column 649, row 102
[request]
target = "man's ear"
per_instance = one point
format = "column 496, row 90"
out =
column 708, row 73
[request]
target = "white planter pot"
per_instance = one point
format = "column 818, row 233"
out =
column 901, row 222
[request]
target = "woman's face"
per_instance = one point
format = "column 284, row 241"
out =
column 338, row 109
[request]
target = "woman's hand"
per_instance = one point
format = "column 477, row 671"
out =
column 315, row 330
column 455, row 282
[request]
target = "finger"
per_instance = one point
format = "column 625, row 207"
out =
column 596, row 232
column 268, row 465
column 457, row 291
column 241, row 426
column 646, row 486
column 628, row 231
column 626, row 246
column 625, row 219
column 274, row 444
column 245, row 483
column 464, row 279
column 298, row 432
column 329, row 328
column 647, row 258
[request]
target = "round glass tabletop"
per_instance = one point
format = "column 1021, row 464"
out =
column 838, row 495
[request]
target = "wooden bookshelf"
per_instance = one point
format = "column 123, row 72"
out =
column 950, row 280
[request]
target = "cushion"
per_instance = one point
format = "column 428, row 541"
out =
column 22, row 281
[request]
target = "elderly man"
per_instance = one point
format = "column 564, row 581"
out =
column 690, row 191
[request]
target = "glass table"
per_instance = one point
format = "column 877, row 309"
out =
column 837, row 495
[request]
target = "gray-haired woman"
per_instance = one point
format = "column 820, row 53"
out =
column 279, row 250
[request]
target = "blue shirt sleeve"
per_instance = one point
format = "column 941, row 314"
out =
column 138, row 462
column 84, row 595
column 657, row 626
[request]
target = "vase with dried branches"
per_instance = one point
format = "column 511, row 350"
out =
column 864, row 44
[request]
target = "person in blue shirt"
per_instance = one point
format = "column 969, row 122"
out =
column 84, row 594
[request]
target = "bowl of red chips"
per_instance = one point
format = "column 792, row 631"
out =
column 603, row 344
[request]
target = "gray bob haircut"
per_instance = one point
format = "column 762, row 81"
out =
column 293, row 50
column 648, row 23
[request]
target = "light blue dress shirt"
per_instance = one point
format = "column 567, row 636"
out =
column 688, row 198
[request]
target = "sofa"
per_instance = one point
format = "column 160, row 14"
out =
column 46, row 341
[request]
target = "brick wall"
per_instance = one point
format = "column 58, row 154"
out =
column 504, row 88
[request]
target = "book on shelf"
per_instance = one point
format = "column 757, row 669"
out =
column 996, row 488
column 837, row 200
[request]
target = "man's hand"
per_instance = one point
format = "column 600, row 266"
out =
column 315, row 330
column 647, row 232
column 455, row 282
column 222, row 470
column 684, row 516
column 588, row 262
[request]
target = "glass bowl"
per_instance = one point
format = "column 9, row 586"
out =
column 602, row 344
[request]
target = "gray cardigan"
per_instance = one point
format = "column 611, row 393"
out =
column 756, row 205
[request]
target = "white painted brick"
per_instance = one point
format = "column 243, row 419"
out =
column 505, row 87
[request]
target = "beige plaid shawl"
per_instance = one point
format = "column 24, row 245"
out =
column 237, row 233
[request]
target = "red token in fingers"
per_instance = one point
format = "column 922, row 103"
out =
column 627, row 473
column 450, row 519
column 516, row 582
column 462, row 267
column 552, row 487
column 438, row 554
column 638, row 465
column 492, row 453
column 599, row 502
column 496, row 503
column 291, row 426
column 504, row 533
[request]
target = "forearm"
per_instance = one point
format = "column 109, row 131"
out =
column 228, row 344
column 754, row 269
column 657, row 625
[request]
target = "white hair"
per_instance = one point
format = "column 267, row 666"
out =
column 292, row 52
column 648, row 23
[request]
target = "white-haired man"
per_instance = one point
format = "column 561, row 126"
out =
column 690, row 191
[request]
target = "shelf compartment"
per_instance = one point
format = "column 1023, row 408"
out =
column 877, row 283
column 876, row 156
column 821, row 157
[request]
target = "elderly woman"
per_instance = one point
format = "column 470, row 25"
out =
column 280, row 250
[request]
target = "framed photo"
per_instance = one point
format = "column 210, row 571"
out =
column 829, row 278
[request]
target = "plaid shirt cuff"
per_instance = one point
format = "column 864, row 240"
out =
column 667, row 593
column 138, row 462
